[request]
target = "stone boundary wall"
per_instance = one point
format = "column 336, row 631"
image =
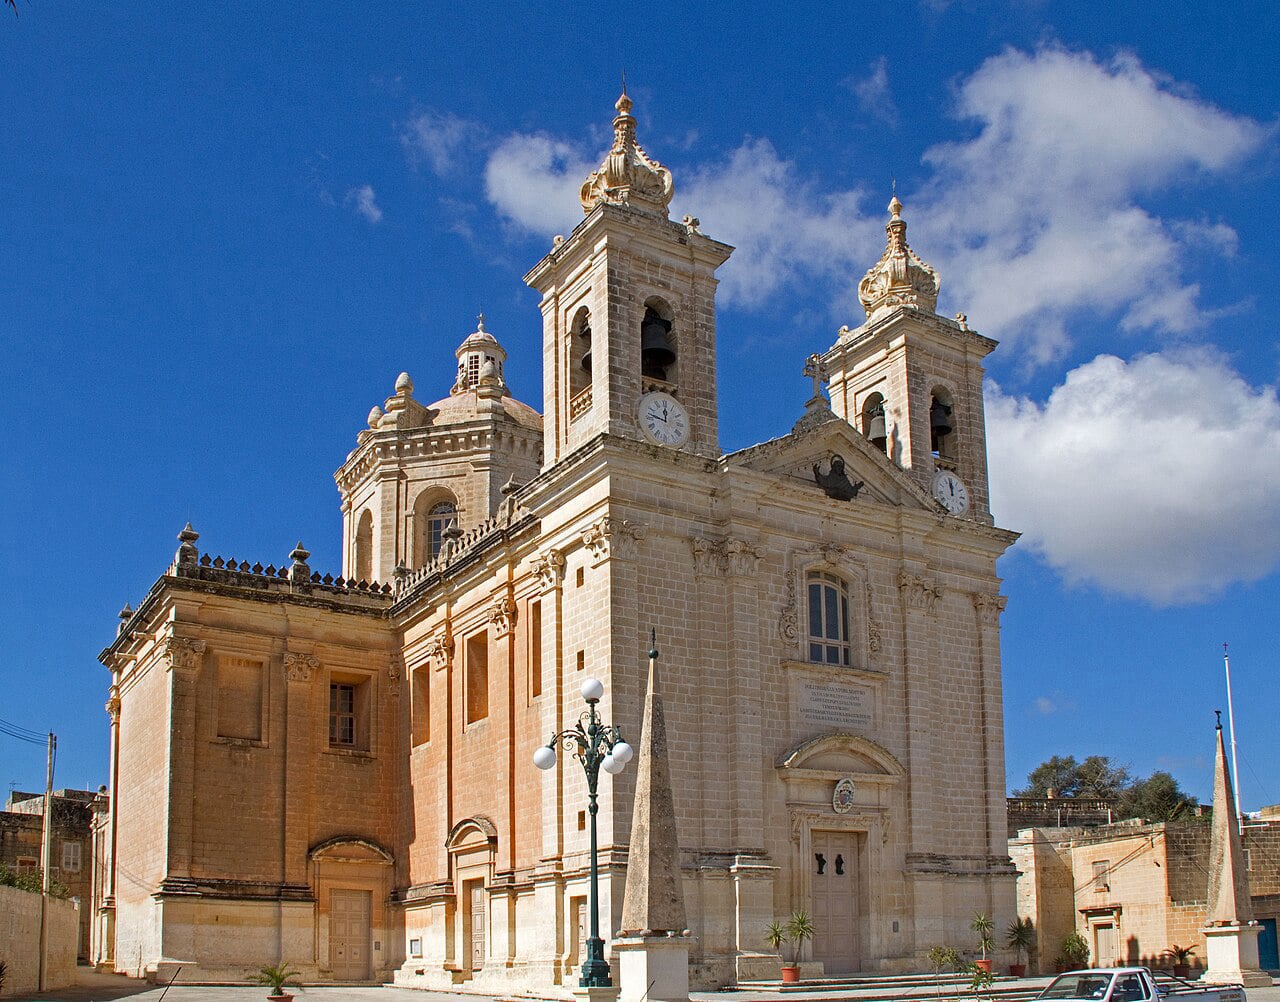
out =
column 20, row 941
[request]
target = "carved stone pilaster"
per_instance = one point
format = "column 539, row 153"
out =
column 549, row 569
column 395, row 671
column 616, row 538
column 113, row 708
column 920, row 591
column 502, row 615
column 298, row 667
column 989, row 607
column 183, row 654
column 741, row 557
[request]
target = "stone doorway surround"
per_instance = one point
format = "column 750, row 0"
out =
column 862, row 818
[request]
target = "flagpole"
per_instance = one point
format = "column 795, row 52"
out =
column 1231, row 723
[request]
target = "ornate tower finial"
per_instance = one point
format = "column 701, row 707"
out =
column 479, row 350
column 628, row 175
column 899, row 278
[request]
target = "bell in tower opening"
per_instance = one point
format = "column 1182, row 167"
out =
column 940, row 427
column 656, row 353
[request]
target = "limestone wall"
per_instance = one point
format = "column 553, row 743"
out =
column 20, row 941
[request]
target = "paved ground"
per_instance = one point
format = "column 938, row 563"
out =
column 96, row 987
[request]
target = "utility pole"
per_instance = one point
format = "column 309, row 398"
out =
column 46, row 864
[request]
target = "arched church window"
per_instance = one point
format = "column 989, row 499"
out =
column 580, row 352
column 364, row 547
column 442, row 515
column 828, row 619
column 874, row 425
column 942, row 424
column 657, row 351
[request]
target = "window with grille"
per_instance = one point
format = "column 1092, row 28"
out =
column 342, row 715
column 828, row 619
column 441, row 516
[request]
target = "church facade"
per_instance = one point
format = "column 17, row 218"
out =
column 339, row 773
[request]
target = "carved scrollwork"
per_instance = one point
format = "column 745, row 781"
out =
column 440, row 647
column 613, row 537
column 183, row 654
column 113, row 708
column 725, row 556
column 921, row 592
column 395, row 670
column 706, row 558
column 549, row 569
column 741, row 557
column 502, row 614
column 989, row 607
column 298, row 667
column 789, row 621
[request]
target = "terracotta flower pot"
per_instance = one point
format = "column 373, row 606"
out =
column 1182, row 970
column 983, row 965
column 1017, row 970
column 790, row 974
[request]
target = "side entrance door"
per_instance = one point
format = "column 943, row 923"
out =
column 833, row 869
column 475, row 924
column 349, row 934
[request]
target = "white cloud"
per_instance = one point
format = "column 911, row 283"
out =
column 1154, row 478
column 365, row 202
column 1037, row 216
column 443, row 141
column 785, row 230
column 533, row 181
column 1033, row 219
column 873, row 92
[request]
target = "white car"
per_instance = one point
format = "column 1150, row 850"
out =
column 1130, row 984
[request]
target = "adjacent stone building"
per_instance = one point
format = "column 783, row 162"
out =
column 22, row 841
column 338, row 773
column 1133, row 890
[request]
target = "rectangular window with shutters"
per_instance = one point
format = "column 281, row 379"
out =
column 350, row 711
column 477, row 676
column 240, row 698
column 71, row 857
column 1101, row 875
column 535, row 649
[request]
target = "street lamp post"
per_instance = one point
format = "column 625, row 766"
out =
column 597, row 746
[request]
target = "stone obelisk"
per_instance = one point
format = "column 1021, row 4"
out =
column 1231, row 934
column 653, row 944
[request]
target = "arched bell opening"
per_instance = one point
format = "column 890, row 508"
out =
column 874, row 427
column 363, row 556
column 942, row 424
column 580, row 352
column 657, row 346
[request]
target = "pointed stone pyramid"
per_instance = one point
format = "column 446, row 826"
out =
column 653, row 902
column 1231, row 934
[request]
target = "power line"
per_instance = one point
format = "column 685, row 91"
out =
column 22, row 733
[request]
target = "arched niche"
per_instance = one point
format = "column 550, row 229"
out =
column 363, row 555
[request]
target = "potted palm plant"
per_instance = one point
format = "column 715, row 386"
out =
column 1181, row 957
column 985, row 928
column 278, row 977
column 1021, row 939
column 1075, row 951
column 797, row 929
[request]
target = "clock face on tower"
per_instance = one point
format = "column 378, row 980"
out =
column 663, row 419
column 951, row 491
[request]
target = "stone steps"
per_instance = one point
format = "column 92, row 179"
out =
column 902, row 987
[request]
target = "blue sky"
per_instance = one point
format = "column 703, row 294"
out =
column 227, row 228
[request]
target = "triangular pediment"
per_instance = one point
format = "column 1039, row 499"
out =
column 830, row 440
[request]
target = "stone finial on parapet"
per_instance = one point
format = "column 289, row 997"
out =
column 187, row 554
column 653, row 943
column 299, row 571
column 1231, row 934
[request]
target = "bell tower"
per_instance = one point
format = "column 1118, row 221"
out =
column 628, row 313
column 911, row 380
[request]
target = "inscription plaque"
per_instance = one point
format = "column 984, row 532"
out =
column 835, row 706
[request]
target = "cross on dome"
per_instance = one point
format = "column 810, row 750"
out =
column 899, row 278
column 628, row 175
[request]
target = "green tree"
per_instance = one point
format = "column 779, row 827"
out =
column 1059, row 773
column 1157, row 798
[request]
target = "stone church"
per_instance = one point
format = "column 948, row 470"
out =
column 337, row 772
